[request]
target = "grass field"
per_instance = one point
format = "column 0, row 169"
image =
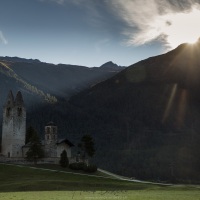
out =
column 16, row 178
column 100, row 195
column 24, row 183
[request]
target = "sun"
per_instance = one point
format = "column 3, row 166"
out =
column 182, row 27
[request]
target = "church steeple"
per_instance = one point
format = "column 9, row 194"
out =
column 13, row 126
column 50, row 139
column 19, row 99
column 10, row 100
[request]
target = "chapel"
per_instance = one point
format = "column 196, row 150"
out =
column 14, row 132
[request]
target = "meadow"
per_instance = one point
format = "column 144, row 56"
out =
column 25, row 183
column 112, row 195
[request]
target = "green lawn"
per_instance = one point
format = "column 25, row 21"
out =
column 15, row 178
column 99, row 195
column 24, row 183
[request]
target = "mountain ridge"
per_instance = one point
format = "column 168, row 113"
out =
column 146, row 117
column 18, row 59
column 48, row 82
column 148, row 113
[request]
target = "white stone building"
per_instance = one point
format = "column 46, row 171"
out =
column 14, row 133
column 52, row 146
column 14, row 126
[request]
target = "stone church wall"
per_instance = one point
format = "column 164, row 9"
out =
column 14, row 126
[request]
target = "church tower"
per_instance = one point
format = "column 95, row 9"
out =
column 51, row 136
column 14, row 126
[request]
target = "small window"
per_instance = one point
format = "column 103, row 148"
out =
column 48, row 129
column 19, row 111
column 54, row 130
column 8, row 111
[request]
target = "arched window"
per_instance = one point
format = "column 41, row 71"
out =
column 19, row 111
column 8, row 111
column 48, row 129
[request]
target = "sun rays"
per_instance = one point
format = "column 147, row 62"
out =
column 185, row 67
column 178, row 98
column 169, row 103
column 182, row 28
column 159, row 21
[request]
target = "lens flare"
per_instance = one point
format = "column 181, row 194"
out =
column 170, row 102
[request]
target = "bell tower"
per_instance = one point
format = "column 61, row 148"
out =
column 51, row 135
column 14, row 126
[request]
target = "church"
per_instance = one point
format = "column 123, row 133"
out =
column 14, row 132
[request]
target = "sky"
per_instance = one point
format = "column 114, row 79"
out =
column 92, row 32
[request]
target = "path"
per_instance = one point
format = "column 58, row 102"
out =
column 131, row 180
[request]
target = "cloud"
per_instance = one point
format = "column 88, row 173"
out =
column 2, row 38
column 142, row 21
column 95, row 12
column 88, row 5
column 169, row 21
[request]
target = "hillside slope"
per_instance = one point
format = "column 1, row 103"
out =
column 43, row 82
column 147, row 117
column 25, row 178
column 59, row 80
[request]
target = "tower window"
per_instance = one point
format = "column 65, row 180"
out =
column 48, row 129
column 8, row 111
column 19, row 111
column 54, row 130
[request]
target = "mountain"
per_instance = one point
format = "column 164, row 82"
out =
column 41, row 81
column 145, row 119
column 111, row 66
column 17, row 59
column 45, row 86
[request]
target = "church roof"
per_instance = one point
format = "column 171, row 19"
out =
column 60, row 141
column 51, row 123
column 65, row 141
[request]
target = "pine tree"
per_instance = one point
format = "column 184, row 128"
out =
column 87, row 146
column 30, row 132
column 35, row 151
column 64, row 162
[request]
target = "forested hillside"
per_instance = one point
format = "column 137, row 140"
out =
column 44, row 82
column 144, row 120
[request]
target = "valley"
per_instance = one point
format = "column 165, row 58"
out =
column 145, row 115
